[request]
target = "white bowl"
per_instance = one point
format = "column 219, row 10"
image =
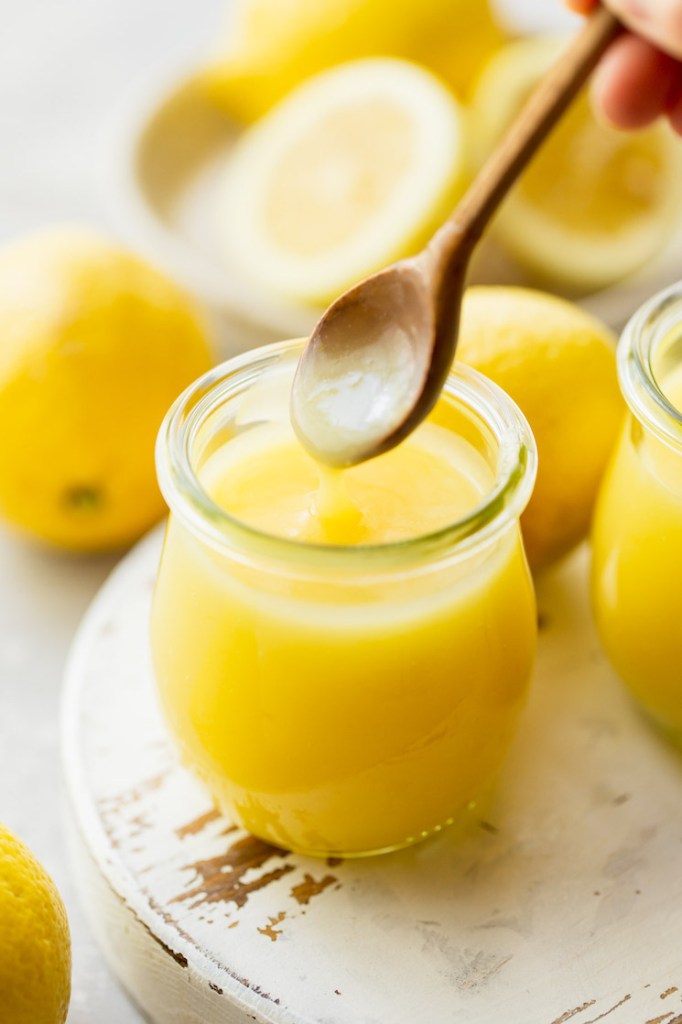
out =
column 169, row 168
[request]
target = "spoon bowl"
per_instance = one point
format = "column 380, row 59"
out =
column 376, row 361
column 361, row 383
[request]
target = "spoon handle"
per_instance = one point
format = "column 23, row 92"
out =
column 548, row 102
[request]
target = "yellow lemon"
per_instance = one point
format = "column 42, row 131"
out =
column 94, row 346
column 353, row 169
column 35, row 947
column 275, row 44
column 595, row 203
column 558, row 364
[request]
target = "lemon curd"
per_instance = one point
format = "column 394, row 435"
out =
column 342, row 656
column 637, row 567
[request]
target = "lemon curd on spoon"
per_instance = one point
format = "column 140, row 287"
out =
column 342, row 655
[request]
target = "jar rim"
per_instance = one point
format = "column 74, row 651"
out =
column 650, row 325
column 188, row 500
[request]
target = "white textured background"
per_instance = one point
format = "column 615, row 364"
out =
column 69, row 69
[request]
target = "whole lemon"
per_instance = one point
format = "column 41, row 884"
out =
column 94, row 346
column 558, row 364
column 275, row 44
column 35, row 946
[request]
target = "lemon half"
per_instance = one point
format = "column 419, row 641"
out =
column 353, row 169
column 595, row 203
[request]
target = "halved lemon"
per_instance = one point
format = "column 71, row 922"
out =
column 353, row 169
column 595, row 203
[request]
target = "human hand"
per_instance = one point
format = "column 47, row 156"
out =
column 640, row 77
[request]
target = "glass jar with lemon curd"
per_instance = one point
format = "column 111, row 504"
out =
column 637, row 560
column 342, row 656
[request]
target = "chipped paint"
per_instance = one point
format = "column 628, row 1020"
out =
column 270, row 929
column 192, row 828
column 110, row 804
column 574, row 1012
column 179, row 958
column 606, row 1013
column 309, row 887
column 221, row 879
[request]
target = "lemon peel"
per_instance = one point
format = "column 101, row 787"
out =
column 558, row 364
column 95, row 346
column 35, row 945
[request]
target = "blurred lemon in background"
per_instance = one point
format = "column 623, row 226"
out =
column 558, row 364
column 595, row 204
column 275, row 44
column 353, row 169
column 95, row 346
column 35, row 946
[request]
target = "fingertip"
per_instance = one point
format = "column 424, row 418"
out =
column 660, row 22
column 633, row 82
column 611, row 104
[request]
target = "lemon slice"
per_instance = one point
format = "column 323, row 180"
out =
column 595, row 203
column 352, row 170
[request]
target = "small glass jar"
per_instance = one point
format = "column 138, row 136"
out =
column 637, row 536
column 341, row 700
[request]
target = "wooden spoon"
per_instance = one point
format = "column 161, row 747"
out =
column 378, row 358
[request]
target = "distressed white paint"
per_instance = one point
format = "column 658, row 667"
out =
column 566, row 891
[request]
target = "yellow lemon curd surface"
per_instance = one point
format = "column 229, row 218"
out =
column 336, row 709
column 637, row 566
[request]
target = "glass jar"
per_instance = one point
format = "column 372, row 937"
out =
column 637, row 537
column 341, row 699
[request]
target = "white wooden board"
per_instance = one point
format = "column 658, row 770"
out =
column 562, row 902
